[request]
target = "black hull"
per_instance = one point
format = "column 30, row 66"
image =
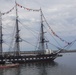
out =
column 2, row 62
column 28, row 59
column 31, row 61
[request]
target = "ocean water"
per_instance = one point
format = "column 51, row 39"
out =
column 65, row 65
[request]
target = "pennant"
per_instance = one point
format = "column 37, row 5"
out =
column 8, row 11
column 27, row 8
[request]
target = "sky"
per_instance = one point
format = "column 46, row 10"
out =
column 60, row 15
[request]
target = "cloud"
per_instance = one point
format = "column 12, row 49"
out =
column 60, row 14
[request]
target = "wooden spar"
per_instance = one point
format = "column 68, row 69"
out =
column 1, row 34
column 42, row 47
column 17, row 34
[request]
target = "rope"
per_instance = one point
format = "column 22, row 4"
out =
column 53, row 31
column 13, row 37
column 8, row 11
column 53, row 37
column 27, row 42
column 37, row 42
column 27, row 8
column 70, row 44
column 29, row 29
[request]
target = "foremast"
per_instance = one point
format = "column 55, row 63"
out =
column 42, row 39
column 17, row 45
column 1, row 40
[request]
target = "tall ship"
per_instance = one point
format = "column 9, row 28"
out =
column 42, row 54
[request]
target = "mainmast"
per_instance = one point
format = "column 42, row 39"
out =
column 42, row 40
column 1, row 34
column 17, row 46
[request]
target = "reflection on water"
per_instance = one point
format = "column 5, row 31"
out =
column 1, row 72
column 39, row 68
column 65, row 65
column 43, row 67
column 10, row 71
column 29, row 69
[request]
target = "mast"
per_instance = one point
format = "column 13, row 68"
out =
column 1, row 41
column 42, row 34
column 17, row 34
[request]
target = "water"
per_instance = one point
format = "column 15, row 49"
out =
column 65, row 65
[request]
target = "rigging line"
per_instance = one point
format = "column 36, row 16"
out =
column 53, row 37
column 35, row 36
column 8, row 11
column 27, row 8
column 30, row 19
column 11, row 43
column 37, row 43
column 56, row 41
column 29, row 28
column 27, row 42
column 14, row 48
column 7, row 37
column 10, row 46
column 52, row 30
column 67, row 47
column 36, row 32
column 13, row 35
column 70, row 45
column 73, row 41
column 7, row 34
column 6, row 43
column 53, row 44
column 6, row 30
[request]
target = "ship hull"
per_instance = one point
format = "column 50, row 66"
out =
column 28, row 58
